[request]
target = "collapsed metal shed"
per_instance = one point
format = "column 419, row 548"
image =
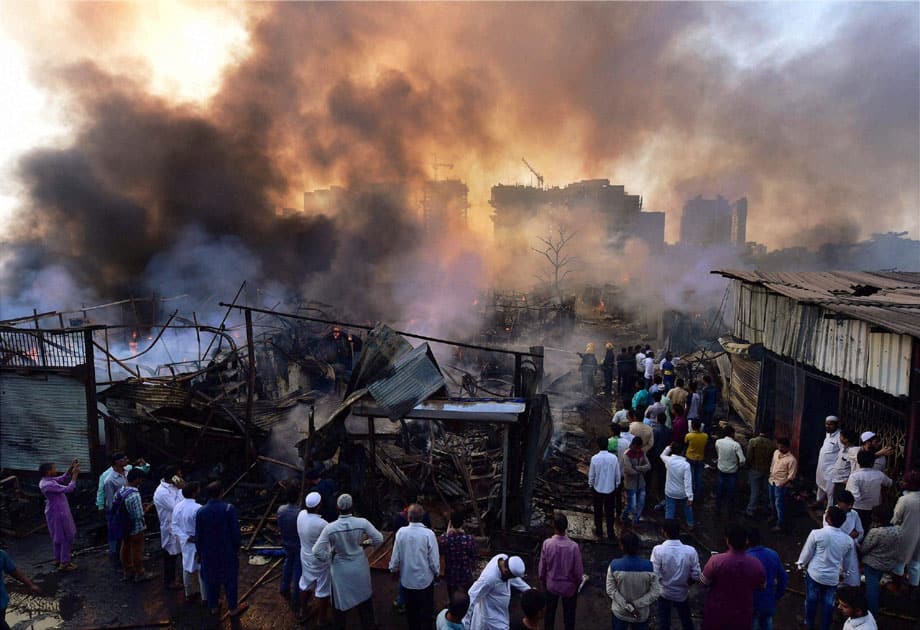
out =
column 743, row 382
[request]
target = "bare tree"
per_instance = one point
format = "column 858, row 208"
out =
column 553, row 246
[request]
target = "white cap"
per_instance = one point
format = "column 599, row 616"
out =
column 832, row 419
column 866, row 436
column 516, row 566
column 313, row 499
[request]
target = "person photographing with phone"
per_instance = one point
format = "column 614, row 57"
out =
column 55, row 487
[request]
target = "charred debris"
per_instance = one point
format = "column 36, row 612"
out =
column 463, row 425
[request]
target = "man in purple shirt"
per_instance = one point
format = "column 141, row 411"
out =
column 732, row 577
column 560, row 573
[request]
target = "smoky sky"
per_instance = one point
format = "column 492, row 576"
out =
column 821, row 134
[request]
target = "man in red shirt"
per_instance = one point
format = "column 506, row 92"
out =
column 732, row 577
column 560, row 573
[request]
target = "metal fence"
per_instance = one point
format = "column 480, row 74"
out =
column 21, row 347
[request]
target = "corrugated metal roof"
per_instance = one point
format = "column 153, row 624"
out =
column 413, row 378
column 849, row 346
column 44, row 420
column 454, row 409
column 888, row 300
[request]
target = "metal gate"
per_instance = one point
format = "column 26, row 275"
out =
column 888, row 420
column 776, row 401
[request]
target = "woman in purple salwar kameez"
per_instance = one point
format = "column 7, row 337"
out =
column 57, row 510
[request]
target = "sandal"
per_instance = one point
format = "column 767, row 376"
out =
column 66, row 568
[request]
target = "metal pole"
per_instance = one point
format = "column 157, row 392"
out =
column 108, row 357
column 251, row 385
column 365, row 327
column 92, row 415
column 505, row 477
column 913, row 411
column 41, row 339
column 226, row 315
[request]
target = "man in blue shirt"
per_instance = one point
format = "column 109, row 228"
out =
column 710, row 397
column 217, row 537
column 290, row 541
column 668, row 371
column 9, row 567
column 765, row 600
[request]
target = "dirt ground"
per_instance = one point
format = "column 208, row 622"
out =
column 93, row 596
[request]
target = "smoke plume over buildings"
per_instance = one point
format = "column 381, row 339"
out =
column 809, row 111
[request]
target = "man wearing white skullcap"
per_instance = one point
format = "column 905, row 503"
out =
column 871, row 443
column 314, row 577
column 491, row 593
column 827, row 457
column 342, row 542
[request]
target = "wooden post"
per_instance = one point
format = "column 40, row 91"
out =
column 913, row 411
column 264, row 518
column 198, row 337
column 311, row 434
column 41, row 339
column 505, row 476
column 108, row 357
column 372, row 469
column 308, row 454
column 238, row 479
column 518, row 376
column 92, row 416
column 373, row 438
column 251, row 348
column 841, row 399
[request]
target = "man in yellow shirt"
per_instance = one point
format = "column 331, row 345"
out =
column 783, row 470
column 696, row 441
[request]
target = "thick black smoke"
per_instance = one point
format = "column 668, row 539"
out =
column 140, row 174
column 821, row 138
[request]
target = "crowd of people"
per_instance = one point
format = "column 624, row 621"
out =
column 662, row 439
column 659, row 445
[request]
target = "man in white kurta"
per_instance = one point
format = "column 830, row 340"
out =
column 827, row 457
column 314, row 576
column 342, row 542
column 491, row 593
column 167, row 495
column 182, row 527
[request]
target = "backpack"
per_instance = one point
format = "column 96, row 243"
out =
column 120, row 518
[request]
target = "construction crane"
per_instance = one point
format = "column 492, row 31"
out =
column 535, row 173
column 436, row 165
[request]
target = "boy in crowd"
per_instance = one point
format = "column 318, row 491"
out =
column 852, row 604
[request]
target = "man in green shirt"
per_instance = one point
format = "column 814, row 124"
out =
column 759, row 456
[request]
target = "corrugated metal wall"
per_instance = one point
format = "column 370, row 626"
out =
column 889, row 363
column 42, row 419
column 744, row 388
column 808, row 333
